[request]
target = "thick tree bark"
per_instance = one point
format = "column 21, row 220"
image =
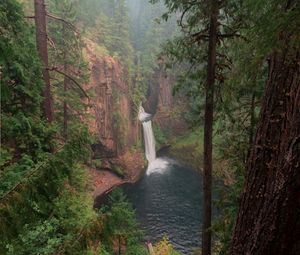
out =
column 208, row 129
column 41, row 42
column 252, row 125
column 269, row 216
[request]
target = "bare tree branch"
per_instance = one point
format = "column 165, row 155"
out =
column 52, row 44
column 230, row 35
column 70, row 78
column 62, row 20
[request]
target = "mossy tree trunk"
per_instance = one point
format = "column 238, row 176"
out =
column 269, row 216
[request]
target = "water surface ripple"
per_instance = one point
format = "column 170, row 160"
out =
column 168, row 202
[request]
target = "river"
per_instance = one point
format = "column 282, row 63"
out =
column 168, row 202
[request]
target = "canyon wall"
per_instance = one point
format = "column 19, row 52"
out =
column 170, row 108
column 112, row 120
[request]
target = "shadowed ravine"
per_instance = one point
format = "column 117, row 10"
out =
column 168, row 202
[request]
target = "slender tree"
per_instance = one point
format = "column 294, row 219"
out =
column 208, row 127
column 66, row 86
column 41, row 42
column 203, row 33
column 69, row 69
column 43, row 200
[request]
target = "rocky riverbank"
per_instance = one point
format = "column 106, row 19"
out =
column 104, row 179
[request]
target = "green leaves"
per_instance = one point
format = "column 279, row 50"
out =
column 38, row 239
column 23, row 133
column 72, row 209
column 120, row 224
column 46, row 206
column 48, row 203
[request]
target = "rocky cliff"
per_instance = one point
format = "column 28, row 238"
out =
column 112, row 120
column 170, row 109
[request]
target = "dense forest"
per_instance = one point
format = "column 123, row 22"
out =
column 150, row 127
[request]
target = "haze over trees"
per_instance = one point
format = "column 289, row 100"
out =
column 234, row 71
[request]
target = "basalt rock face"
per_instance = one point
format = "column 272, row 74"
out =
column 170, row 109
column 111, row 117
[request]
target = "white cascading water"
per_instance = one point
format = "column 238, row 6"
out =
column 149, row 139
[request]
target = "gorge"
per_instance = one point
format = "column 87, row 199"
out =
column 149, row 127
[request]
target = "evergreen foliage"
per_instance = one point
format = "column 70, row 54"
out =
column 248, row 33
column 43, row 185
column 49, row 205
column 66, row 56
column 45, row 201
column 134, row 40
column 107, row 23
column 25, row 139
column 120, row 229
column 243, row 47
column 148, row 36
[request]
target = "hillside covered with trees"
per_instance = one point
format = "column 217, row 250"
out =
column 150, row 127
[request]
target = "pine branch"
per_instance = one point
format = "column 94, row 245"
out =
column 52, row 44
column 62, row 20
column 70, row 78
column 21, row 182
column 71, row 243
column 28, row 175
column 234, row 34
column 189, row 4
column 201, row 35
column 230, row 35
column 183, row 14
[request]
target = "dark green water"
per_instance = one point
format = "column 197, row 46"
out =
column 168, row 202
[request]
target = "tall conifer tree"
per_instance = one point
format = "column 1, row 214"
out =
column 42, row 46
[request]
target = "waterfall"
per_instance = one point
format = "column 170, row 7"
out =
column 145, row 118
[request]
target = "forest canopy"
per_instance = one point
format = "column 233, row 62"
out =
column 92, row 89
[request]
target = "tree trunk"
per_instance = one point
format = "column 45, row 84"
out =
column 66, row 82
column 41, row 42
column 120, row 245
column 269, row 216
column 208, row 129
column 65, row 120
column 252, row 125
